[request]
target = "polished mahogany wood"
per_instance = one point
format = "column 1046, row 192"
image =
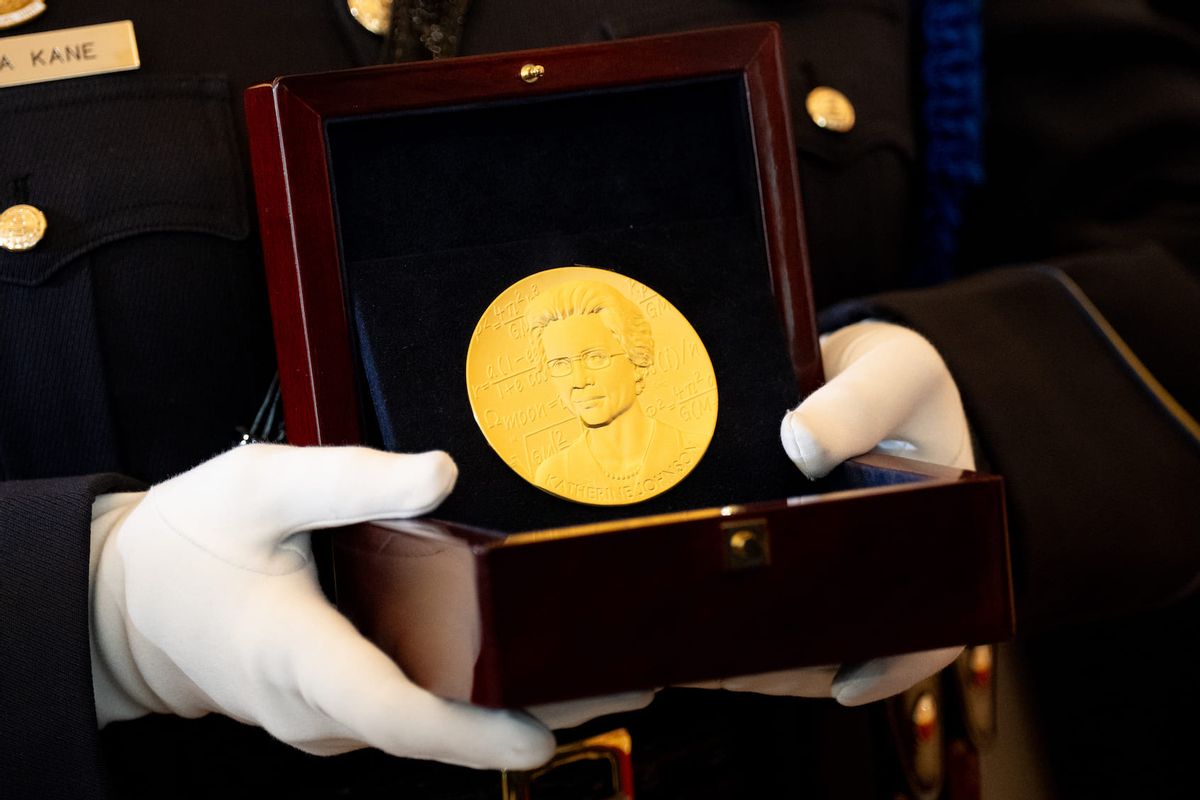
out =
column 563, row 614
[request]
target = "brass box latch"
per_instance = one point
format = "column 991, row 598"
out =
column 747, row 544
column 531, row 73
column 611, row 752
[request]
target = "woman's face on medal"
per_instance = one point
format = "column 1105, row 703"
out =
column 598, row 395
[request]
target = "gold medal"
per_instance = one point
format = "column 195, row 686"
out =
column 591, row 386
column 15, row 12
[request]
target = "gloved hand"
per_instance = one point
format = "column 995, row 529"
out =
column 889, row 391
column 205, row 599
column 569, row 713
column 849, row 684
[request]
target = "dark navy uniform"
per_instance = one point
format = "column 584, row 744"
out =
column 134, row 340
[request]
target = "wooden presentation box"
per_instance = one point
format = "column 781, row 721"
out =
column 397, row 202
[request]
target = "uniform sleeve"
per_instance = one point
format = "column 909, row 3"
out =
column 1101, row 469
column 1075, row 343
column 48, row 735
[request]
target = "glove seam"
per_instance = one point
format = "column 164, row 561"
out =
column 287, row 533
column 153, row 498
column 340, row 522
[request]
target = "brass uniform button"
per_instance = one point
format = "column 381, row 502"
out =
column 21, row 228
column 374, row 15
column 17, row 12
column 830, row 109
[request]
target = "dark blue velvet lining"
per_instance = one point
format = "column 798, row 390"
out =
column 658, row 184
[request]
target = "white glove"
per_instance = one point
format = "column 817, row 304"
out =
column 569, row 713
column 887, row 390
column 205, row 599
column 849, row 684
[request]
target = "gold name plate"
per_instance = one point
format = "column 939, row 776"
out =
column 68, row 53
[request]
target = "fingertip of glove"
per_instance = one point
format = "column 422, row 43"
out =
column 426, row 479
column 857, row 688
column 530, row 746
column 852, row 698
column 803, row 447
column 880, row 678
column 503, row 739
column 442, row 469
column 868, row 690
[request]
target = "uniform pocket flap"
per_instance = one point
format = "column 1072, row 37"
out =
column 110, row 157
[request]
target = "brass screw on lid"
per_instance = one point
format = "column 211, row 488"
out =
column 531, row 72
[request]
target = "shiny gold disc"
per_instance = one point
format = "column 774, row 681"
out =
column 591, row 386
column 830, row 109
column 21, row 227
column 374, row 15
column 16, row 12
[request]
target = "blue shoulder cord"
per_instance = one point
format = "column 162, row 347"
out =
column 952, row 127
